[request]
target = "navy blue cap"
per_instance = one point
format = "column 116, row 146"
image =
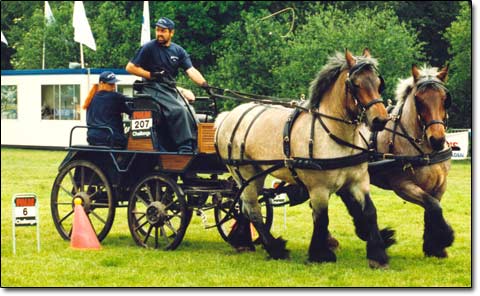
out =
column 166, row 23
column 108, row 77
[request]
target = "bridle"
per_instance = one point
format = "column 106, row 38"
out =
column 425, row 125
column 350, row 86
column 448, row 101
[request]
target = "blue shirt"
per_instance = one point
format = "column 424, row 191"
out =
column 153, row 56
column 106, row 109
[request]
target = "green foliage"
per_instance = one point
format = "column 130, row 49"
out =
column 284, row 67
column 429, row 18
column 247, row 52
column 233, row 48
column 460, row 81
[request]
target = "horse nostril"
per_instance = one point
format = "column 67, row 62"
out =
column 437, row 143
column 378, row 124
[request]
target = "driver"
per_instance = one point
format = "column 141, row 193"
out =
column 157, row 62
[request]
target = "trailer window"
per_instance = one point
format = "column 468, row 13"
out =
column 61, row 102
column 9, row 102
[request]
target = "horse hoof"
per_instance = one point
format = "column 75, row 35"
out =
column 324, row 256
column 243, row 249
column 277, row 249
column 376, row 265
column 439, row 254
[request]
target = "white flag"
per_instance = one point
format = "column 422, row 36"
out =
column 48, row 14
column 83, row 33
column 145, row 24
column 4, row 40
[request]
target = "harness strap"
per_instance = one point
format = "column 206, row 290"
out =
column 418, row 160
column 236, row 128
column 338, row 140
column 287, row 130
column 312, row 136
column 242, row 145
column 307, row 163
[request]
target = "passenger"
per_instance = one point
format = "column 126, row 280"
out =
column 157, row 62
column 104, row 108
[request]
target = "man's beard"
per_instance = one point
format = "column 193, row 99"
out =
column 162, row 41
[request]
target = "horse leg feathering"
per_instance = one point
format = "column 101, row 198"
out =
column 364, row 217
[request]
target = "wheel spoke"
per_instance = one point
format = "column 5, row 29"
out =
column 93, row 194
column 64, row 203
column 98, row 217
column 91, row 180
column 146, row 203
column 82, row 178
column 149, row 192
column 156, row 237
column 171, row 227
column 148, row 234
column 100, row 205
column 157, row 191
column 66, row 191
column 164, row 234
column 73, row 181
column 140, row 226
column 66, row 216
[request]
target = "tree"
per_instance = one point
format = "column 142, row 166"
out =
column 460, row 81
column 253, row 60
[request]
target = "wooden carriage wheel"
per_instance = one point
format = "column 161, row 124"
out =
column 157, row 213
column 223, row 210
column 85, row 180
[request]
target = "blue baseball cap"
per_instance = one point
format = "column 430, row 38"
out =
column 166, row 23
column 108, row 77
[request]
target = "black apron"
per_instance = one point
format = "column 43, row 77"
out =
column 180, row 116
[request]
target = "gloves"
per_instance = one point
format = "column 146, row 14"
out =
column 207, row 88
column 162, row 76
column 157, row 76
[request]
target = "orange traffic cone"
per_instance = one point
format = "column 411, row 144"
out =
column 83, row 235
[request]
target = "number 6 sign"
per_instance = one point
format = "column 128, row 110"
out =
column 25, row 213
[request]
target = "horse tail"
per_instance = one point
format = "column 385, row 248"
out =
column 90, row 96
column 220, row 118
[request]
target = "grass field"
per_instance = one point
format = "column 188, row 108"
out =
column 205, row 260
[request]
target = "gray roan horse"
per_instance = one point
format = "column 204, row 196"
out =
column 319, row 150
column 418, row 168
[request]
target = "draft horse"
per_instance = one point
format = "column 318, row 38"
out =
column 319, row 150
column 420, row 156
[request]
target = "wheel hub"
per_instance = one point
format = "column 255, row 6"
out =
column 86, row 203
column 156, row 213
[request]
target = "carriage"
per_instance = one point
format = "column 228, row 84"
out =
column 160, row 189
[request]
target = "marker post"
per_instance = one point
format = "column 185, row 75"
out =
column 25, row 213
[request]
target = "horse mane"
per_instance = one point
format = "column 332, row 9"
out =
column 328, row 75
column 405, row 86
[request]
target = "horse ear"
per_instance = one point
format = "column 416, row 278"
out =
column 366, row 52
column 415, row 73
column 442, row 75
column 350, row 59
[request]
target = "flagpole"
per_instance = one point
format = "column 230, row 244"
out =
column 43, row 52
column 81, row 55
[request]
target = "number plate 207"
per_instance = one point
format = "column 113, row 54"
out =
column 141, row 124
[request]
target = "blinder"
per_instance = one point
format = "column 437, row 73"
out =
column 352, row 87
column 447, row 103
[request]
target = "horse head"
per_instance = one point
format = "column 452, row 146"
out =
column 432, row 100
column 364, row 86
